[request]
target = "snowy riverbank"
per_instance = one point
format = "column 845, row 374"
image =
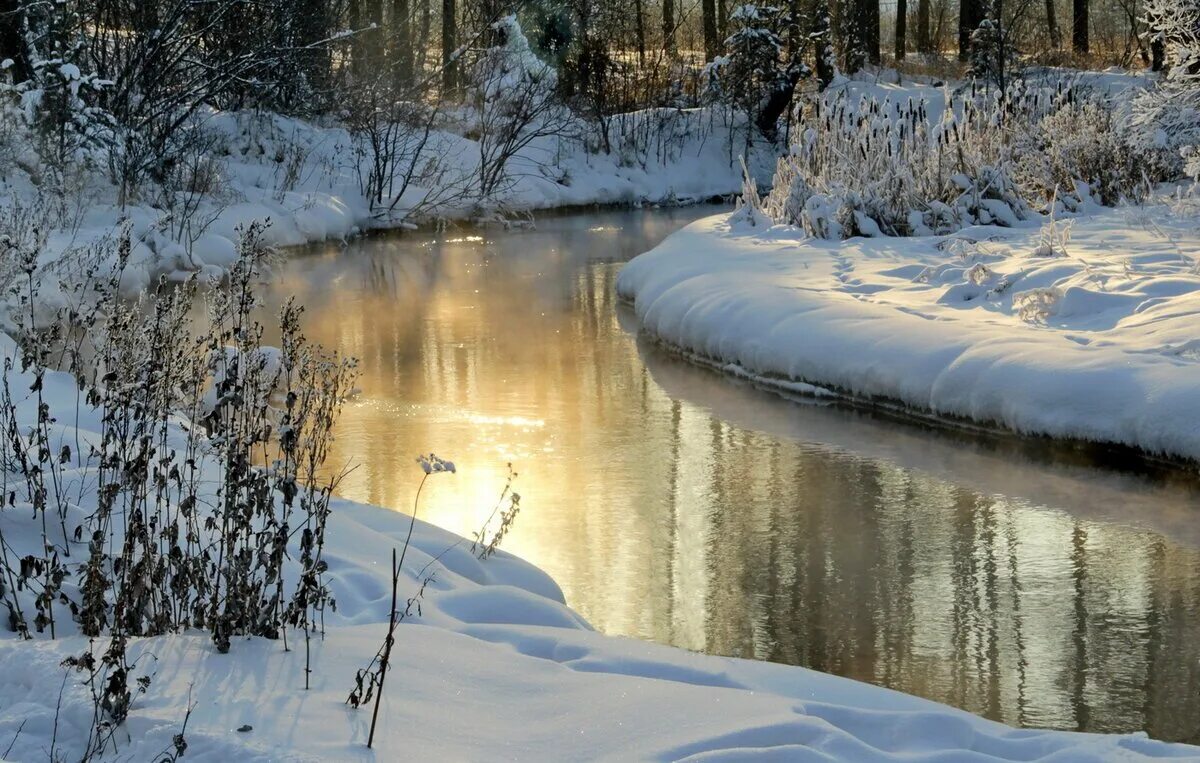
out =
column 307, row 181
column 494, row 666
column 1082, row 330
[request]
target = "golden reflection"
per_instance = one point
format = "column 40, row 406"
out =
column 673, row 505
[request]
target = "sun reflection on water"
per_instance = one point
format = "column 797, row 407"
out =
column 673, row 505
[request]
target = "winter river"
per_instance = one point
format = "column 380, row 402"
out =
column 1024, row 582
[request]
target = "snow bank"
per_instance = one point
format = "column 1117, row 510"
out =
column 306, row 180
column 1086, row 334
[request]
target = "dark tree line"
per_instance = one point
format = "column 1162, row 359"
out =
column 150, row 64
column 409, row 38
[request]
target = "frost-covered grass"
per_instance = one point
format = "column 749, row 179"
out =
column 876, row 160
column 1078, row 329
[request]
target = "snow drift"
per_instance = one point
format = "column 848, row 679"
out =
column 1089, row 335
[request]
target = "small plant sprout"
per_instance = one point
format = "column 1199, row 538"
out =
column 483, row 546
column 368, row 682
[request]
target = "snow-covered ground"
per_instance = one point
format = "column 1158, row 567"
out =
column 1081, row 329
column 496, row 666
column 306, row 180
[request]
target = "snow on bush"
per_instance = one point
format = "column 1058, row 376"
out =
column 515, row 98
column 1078, row 154
column 866, row 166
column 749, row 205
column 1168, row 116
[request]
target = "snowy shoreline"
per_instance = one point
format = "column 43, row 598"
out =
column 305, row 180
column 896, row 410
column 492, row 646
column 947, row 335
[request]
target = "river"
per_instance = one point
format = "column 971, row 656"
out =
column 1030, row 583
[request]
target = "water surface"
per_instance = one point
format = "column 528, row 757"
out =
column 1019, row 581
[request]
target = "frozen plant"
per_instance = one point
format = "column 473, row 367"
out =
column 1053, row 238
column 1167, row 117
column 749, row 203
column 1037, row 305
column 368, row 682
column 484, row 546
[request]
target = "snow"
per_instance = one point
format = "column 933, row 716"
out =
column 1090, row 336
column 494, row 666
column 304, row 179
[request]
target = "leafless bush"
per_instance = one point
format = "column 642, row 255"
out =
column 397, row 149
column 163, row 552
column 865, row 167
column 515, row 98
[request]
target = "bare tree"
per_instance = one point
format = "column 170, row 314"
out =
column 869, row 21
column 401, row 53
column 712, row 42
column 924, row 41
column 1052, row 25
column 970, row 14
column 1079, row 26
column 449, row 46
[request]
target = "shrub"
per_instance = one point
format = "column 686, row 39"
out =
column 867, row 167
column 870, row 167
column 1167, row 117
column 205, row 460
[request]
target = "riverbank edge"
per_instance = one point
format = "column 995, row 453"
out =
column 897, row 410
column 889, row 405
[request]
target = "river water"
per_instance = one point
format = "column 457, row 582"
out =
column 1021, row 581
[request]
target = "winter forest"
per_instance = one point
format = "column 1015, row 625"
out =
column 809, row 380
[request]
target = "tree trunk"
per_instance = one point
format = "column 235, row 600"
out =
column 970, row 13
column 312, row 27
column 358, row 52
column 401, row 39
column 639, row 30
column 901, row 28
column 868, row 14
column 851, row 34
column 12, row 41
column 722, row 21
column 1158, row 52
column 823, row 44
column 712, row 45
column 1052, row 25
column 374, row 35
column 924, row 41
column 668, row 26
column 1079, row 27
column 795, row 39
column 449, row 46
column 426, row 31
column 777, row 104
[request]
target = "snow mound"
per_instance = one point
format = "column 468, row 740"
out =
column 1090, row 339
